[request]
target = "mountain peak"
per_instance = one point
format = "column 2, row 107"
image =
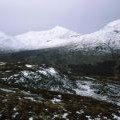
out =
column 114, row 25
column 59, row 28
column 56, row 30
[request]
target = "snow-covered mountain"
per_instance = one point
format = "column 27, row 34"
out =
column 55, row 37
column 109, row 36
column 32, row 40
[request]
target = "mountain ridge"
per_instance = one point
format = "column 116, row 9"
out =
column 60, row 36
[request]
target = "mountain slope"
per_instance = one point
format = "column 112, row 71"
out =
column 107, row 37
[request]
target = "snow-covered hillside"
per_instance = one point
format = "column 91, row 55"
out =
column 109, row 36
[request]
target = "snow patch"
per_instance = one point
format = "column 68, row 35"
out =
column 43, row 72
column 55, row 100
column 7, row 90
column 25, row 73
column 116, row 117
column 2, row 63
column 31, row 118
column 29, row 66
column 65, row 115
column 30, row 98
column 84, row 88
column 51, row 71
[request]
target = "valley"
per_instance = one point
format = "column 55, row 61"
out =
column 60, row 75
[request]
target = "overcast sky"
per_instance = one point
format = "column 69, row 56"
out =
column 83, row 16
